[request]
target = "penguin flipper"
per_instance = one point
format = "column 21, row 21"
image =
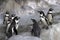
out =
column 15, row 30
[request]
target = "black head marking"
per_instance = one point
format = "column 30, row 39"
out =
column 33, row 20
column 50, row 9
column 13, row 15
column 7, row 12
column 41, row 13
column 16, row 18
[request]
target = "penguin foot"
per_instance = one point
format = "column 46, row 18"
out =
column 45, row 28
column 32, row 32
column 50, row 23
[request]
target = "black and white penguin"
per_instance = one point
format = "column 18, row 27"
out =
column 6, row 17
column 8, row 25
column 13, row 27
column 50, row 16
column 7, row 28
column 9, row 22
column 17, row 21
column 36, row 29
column 43, row 19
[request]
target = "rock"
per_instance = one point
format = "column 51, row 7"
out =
column 19, row 37
column 55, row 31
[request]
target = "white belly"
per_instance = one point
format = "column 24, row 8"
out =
column 12, row 30
column 49, row 17
column 7, row 27
column 44, row 21
column 16, row 23
column 17, row 26
column 6, row 18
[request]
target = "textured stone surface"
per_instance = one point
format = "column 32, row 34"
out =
column 28, row 11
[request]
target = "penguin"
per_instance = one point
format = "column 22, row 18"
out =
column 6, row 17
column 36, row 29
column 7, row 28
column 17, row 21
column 8, row 25
column 13, row 28
column 43, row 20
column 9, row 21
column 50, row 16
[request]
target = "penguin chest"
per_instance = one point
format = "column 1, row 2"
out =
column 12, row 30
column 6, row 18
column 7, row 27
column 16, row 23
column 16, row 26
column 50, row 17
column 43, row 21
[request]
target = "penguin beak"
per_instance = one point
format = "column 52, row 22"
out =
column 32, row 19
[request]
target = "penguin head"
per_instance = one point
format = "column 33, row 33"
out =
column 16, row 19
column 50, row 9
column 7, row 13
column 33, row 20
column 41, row 13
column 12, row 16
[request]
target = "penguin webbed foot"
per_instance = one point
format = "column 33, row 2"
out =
column 45, row 27
column 50, row 23
column 37, row 35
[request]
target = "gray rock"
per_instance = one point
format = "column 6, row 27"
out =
column 19, row 37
